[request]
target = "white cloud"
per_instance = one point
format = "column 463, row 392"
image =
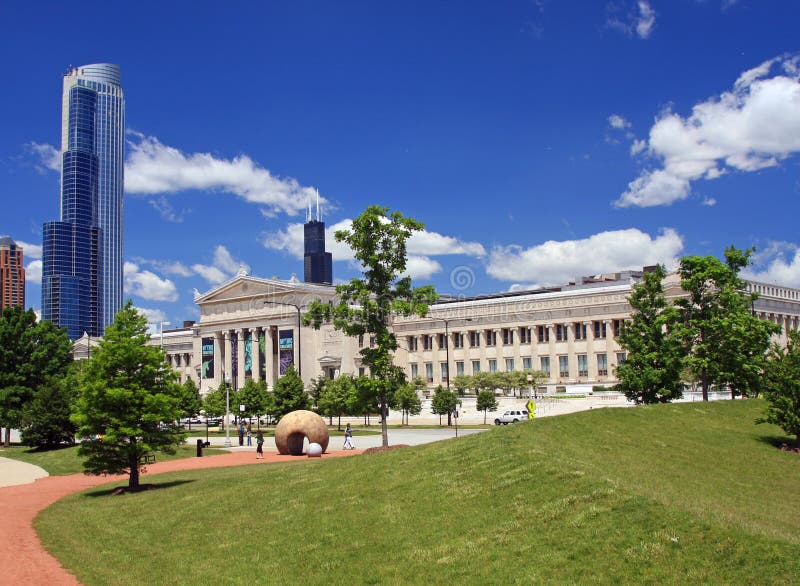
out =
column 754, row 126
column 629, row 19
column 779, row 263
column 420, row 243
column 646, row 20
column 33, row 272
column 421, row 267
column 30, row 250
column 637, row 146
column 555, row 262
column 618, row 122
column 223, row 266
column 49, row 157
column 154, row 316
column 211, row 274
column 147, row 285
column 433, row 243
column 164, row 208
column 155, row 168
column 171, row 267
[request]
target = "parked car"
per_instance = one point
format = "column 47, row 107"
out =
column 511, row 416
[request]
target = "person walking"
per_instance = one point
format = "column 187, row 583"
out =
column 249, row 435
column 348, row 438
column 259, row 445
column 241, row 434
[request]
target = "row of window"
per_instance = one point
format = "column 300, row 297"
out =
column 527, row 364
column 507, row 335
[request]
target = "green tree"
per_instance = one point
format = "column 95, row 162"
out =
column 289, row 394
column 190, row 400
column 334, row 397
column 31, row 353
column 214, row 402
column 462, row 383
column 366, row 306
column 46, row 420
column 651, row 372
column 724, row 341
column 315, row 389
column 408, row 402
column 255, row 398
column 486, row 402
column 129, row 400
column 782, row 386
column 363, row 399
column 444, row 402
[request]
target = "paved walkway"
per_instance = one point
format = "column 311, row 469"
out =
column 24, row 561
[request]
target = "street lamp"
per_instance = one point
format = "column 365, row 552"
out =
column 161, row 329
column 447, row 353
column 227, row 411
column 299, row 352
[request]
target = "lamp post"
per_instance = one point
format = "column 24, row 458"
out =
column 299, row 349
column 447, row 356
column 228, row 411
column 161, row 330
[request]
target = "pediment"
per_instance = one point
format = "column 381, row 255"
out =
column 256, row 291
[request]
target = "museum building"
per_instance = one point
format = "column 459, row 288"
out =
column 250, row 328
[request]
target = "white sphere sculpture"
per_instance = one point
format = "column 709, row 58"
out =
column 314, row 450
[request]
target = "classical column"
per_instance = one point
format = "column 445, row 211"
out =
column 269, row 357
column 240, row 356
column 219, row 366
column 228, row 374
column 255, row 350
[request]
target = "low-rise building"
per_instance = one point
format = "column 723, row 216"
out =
column 250, row 328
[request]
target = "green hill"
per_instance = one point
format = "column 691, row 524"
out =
column 691, row 493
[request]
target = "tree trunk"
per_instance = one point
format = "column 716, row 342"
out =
column 704, row 382
column 484, row 416
column 449, row 418
column 339, row 424
column 384, row 427
column 7, row 440
column 133, row 479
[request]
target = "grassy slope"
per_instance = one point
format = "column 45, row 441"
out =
column 676, row 494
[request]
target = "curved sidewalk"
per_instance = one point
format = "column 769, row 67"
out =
column 23, row 559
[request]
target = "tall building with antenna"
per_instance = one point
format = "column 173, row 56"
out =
column 317, row 264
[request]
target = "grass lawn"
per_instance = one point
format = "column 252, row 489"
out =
column 682, row 494
column 66, row 460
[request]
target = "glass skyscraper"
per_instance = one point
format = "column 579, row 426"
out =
column 82, row 257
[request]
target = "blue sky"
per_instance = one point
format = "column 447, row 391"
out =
column 537, row 140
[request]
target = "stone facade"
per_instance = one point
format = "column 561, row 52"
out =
column 248, row 328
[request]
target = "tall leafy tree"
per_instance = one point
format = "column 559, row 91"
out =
column 129, row 400
column 366, row 306
column 724, row 341
column 444, row 402
column 408, row 401
column 31, row 353
column 651, row 372
column 190, row 400
column 289, row 394
column 214, row 403
column 46, row 420
column 315, row 389
column 334, row 396
column 254, row 396
column 486, row 402
column 782, row 386
column 363, row 399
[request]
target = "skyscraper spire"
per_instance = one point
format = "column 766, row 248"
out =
column 318, row 264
